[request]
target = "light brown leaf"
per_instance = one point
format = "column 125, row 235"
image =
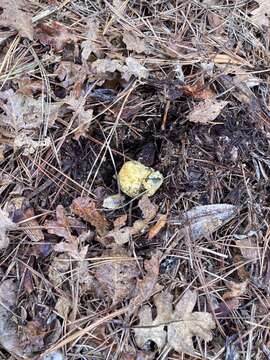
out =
column 198, row 91
column 249, row 248
column 91, row 45
column 5, row 224
column 148, row 285
column 134, row 43
column 117, row 275
column 134, row 68
column 16, row 16
column 260, row 15
column 236, row 289
column 22, row 112
column 206, row 111
column 190, row 324
column 182, row 324
column 86, row 209
column 60, row 226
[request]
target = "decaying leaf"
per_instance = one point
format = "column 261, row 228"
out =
column 14, row 14
column 86, row 209
column 34, row 336
column 236, row 289
column 182, row 324
column 83, row 118
column 55, row 35
column 62, row 227
column 206, row 111
column 198, row 91
column 148, row 285
column 122, row 235
column 5, row 224
column 260, row 15
column 58, row 269
column 91, row 45
column 132, row 67
column 20, row 210
column 28, row 145
column 204, row 220
column 134, row 43
column 22, row 112
column 249, row 248
column 118, row 274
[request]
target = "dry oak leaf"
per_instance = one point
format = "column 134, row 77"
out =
column 260, row 16
column 14, row 15
column 22, row 112
column 117, row 275
column 182, row 324
column 206, row 111
column 85, row 207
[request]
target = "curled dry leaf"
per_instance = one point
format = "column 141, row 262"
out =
column 20, row 210
column 236, row 289
column 58, row 270
column 5, row 224
column 118, row 274
column 86, row 208
column 206, row 111
column 198, row 91
column 249, row 248
column 182, row 324
column 15, row 15
column 159, row 225
column 55, row 35
column 204, row 220
column 134, row 68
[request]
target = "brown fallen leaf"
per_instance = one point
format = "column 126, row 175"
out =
column 6, row 224
column 235, row 289
column 91, row 44
column 58, row 270
column 15, row 15
column 148, row 285
column 134, row 68
column 249, row 248
column 198, row 91
column 122, row 235
column 159, row 225
column 22, row 212
column 55, row 35
column 62, row 227
column 206, row 111
column 260, row 15
column 134, row 43
column 182, row 324
column 117, row 275
column 85, row 207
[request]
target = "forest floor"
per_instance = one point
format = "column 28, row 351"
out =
column 168, row 258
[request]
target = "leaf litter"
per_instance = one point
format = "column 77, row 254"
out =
column 88, row 88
